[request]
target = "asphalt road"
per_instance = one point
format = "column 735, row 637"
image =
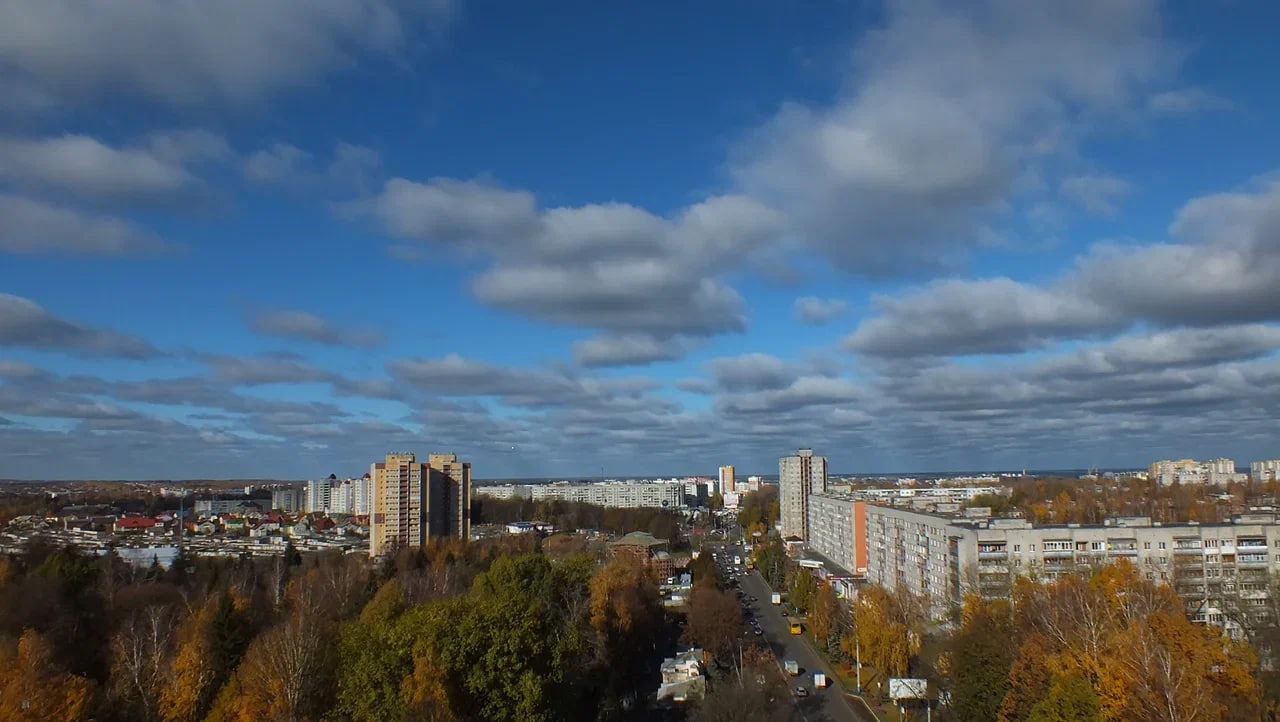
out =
column 825, row 705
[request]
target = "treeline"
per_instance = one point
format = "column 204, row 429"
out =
column 573, row 515
column 495, row 630
column 1063, row 501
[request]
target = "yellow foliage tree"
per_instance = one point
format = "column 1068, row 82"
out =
column 33, row 688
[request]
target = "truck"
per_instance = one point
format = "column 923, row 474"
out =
column 819, row 680
column 776, row 599
column 792, row 667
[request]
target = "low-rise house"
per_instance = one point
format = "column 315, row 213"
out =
column 682, row 677
column 136, row 524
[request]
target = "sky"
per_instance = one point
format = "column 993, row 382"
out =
column 276, row 240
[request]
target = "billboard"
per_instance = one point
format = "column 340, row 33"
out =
column 907, row 688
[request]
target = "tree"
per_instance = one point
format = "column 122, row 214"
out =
column 1071, row 699
column 803, row 590
column 34, row 688
column 140, row 652
column 288, row 670
column 980, row 659
column 715, row 623
column 376, row 655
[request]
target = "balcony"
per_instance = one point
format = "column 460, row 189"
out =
column 1188, row 550
column 1059, row 554
column 1001, row 554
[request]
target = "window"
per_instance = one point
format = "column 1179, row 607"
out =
column 1162, row 545
column 1095, row 546
column 1146, row 545
column 1211, row 542
column 1032, row 547
column 1017, row 547
column 1164, row 560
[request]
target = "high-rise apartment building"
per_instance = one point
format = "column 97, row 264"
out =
column 798, row 477
column 727, row 482
column 451, row 485
column 413, row 502
column 318, row 491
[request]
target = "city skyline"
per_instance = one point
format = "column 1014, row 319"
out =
column 909, row 235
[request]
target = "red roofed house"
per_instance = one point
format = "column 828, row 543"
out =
column 134, row 524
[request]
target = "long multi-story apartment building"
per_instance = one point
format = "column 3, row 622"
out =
column 838, row 529
column 619, row 494
column 798, row 477
column 1265, row 470
column 413, row 501
column 1221, row 571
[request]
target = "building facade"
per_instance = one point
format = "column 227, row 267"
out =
column 318, row 495
column 727, row 481
column 1189, row 471
column 838, row 530
column 798, row 477
column 1221, row 571
column 1266, row 470
column 413, row 502
column 451, row 487
column 288, row 500
column 617, row 494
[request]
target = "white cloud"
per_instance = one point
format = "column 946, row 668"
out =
column 812, row 309
column 87, row 167
column 24, row 323
column 948, row 105
column 310, row 327
column 627, row 350
column 32, row 226
column 193, row 52
column 998, row 315
column 609, row 266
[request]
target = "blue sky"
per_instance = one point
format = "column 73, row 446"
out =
column 275, row 240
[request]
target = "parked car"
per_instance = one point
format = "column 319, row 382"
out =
column 802, row 692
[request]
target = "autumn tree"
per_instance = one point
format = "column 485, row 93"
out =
column 140, row 653
column 33, row 687
column 715, row 623
column 803, row 590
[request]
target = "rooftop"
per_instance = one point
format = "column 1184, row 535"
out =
column 640, row 538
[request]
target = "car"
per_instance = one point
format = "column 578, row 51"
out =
column 802, row 692
column 758, row 632
column 784, row 613
column 753, row 599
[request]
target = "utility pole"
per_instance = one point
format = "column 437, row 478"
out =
column 857, row 649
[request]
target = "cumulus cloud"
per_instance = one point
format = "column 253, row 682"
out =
column 278, row 368
column 811, row 309
column 240, row 50
column 1221, row 267
column 627, row 350
column 24, row 323
column 310, row 327
column 999, row 315
column 948, row 105
column 608, row 266
column 34, row 226
column 152, row 170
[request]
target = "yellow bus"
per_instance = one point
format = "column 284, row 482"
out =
column 795, row 627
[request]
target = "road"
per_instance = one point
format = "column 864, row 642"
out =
column 830, row 704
